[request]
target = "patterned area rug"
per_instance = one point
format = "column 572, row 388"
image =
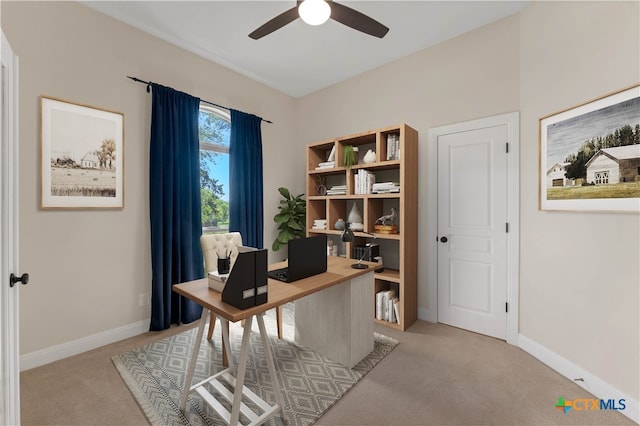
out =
column 310, row 383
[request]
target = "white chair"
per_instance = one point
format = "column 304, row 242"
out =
column 212, row 244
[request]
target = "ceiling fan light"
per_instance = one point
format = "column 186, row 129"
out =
column 314, row 12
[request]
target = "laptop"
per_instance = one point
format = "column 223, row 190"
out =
column 307, row 257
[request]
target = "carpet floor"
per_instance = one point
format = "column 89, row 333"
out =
column 437, row 375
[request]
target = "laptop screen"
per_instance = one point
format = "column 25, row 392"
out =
column 307, row 257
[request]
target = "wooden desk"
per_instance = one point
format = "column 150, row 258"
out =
column 321, row 325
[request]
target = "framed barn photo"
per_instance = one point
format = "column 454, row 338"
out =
column 590, row 155
column 82, row 156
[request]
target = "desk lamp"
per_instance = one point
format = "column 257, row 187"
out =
column 348, row 237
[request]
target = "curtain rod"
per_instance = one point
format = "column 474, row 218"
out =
column 148, row 83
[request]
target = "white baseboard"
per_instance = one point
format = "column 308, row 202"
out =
column 74, row 347
column 591, row 383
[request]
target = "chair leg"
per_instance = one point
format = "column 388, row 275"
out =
column 279, row 320
column 212, row 324
column 225, row 359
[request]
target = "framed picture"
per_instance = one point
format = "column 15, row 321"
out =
column 82, row 156
column 590, row 155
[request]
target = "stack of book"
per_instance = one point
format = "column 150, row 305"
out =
column 387, row 306
column 393, row 146
column 326, row 165
column 337, row 190
column 364, row 181
column 367, row 252
column 385, row 187
column 385, row 229
column 320, row 224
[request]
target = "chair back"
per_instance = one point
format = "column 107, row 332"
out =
column 219, row 244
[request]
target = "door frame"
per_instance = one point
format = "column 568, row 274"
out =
column 512, row 120
column 9, row 297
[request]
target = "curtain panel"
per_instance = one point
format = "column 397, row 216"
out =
column 175, row 205
column 245, row 178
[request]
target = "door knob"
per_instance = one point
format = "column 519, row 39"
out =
column 24, row 279
column 443, row 239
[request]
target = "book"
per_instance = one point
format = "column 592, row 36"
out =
column 332, row 154
column 393, row 146
column 364, row 181
column 385, row 229
column 217, row 281
column 396, row 310
column 326, row 165
column 380, row 305
column 337, row 190
column 391, row 316
column 384, row 305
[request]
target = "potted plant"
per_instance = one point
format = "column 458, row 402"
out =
column 350, row 156
column 291, row 218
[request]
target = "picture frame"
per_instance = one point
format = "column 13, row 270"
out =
column 82, row 155
column 589, row 155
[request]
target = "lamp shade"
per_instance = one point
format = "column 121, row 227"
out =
column 347, row 235
column 314, row 12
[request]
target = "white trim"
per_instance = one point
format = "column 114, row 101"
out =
column 512, row 120
column 9, row 321
column 591, row 383
column 75, row 347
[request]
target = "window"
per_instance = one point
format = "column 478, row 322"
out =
column 215, row 130
column 602, row 177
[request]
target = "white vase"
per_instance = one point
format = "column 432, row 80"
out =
column 354, row 215
column 369, row 157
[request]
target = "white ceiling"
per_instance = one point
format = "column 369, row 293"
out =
column 299, row 59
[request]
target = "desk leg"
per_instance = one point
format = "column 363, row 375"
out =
column 242, row 366
column 270, row 363
column 186, row 389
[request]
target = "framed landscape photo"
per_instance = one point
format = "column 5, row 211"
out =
column 590, row 155
column 82, row 156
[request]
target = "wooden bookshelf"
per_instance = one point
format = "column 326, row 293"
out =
column 398, row 251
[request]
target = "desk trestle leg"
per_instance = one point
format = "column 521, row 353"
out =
column 194, row 359
column 234, row 384
column 270, row 363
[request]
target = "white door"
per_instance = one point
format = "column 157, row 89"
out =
column 9, row 368
column 472, row 229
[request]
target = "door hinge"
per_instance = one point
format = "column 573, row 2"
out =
column 507, row 147
column 506, row 307
column 507, row 227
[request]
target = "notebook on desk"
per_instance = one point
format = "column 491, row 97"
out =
column 306, row 257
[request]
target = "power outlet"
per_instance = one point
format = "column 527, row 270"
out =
column 143, row 299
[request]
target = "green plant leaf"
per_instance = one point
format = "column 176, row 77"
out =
column 291, row 218
column 284, row 192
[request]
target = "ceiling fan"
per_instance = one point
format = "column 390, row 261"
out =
column 316, row 12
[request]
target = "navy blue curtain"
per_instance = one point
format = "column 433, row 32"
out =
column 245, row 178
column 174, row 179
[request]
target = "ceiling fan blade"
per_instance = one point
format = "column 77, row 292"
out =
column 356, row 20
column 276, row 23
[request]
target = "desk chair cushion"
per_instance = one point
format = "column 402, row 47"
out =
column 214, row 244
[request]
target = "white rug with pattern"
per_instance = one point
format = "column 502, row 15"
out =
column 310, row 383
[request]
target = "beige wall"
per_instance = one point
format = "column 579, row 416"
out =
column 579, row 274
column 88, row 268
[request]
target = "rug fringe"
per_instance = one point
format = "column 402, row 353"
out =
column 138, row 393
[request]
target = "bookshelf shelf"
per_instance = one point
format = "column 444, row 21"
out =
column 396, row 162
